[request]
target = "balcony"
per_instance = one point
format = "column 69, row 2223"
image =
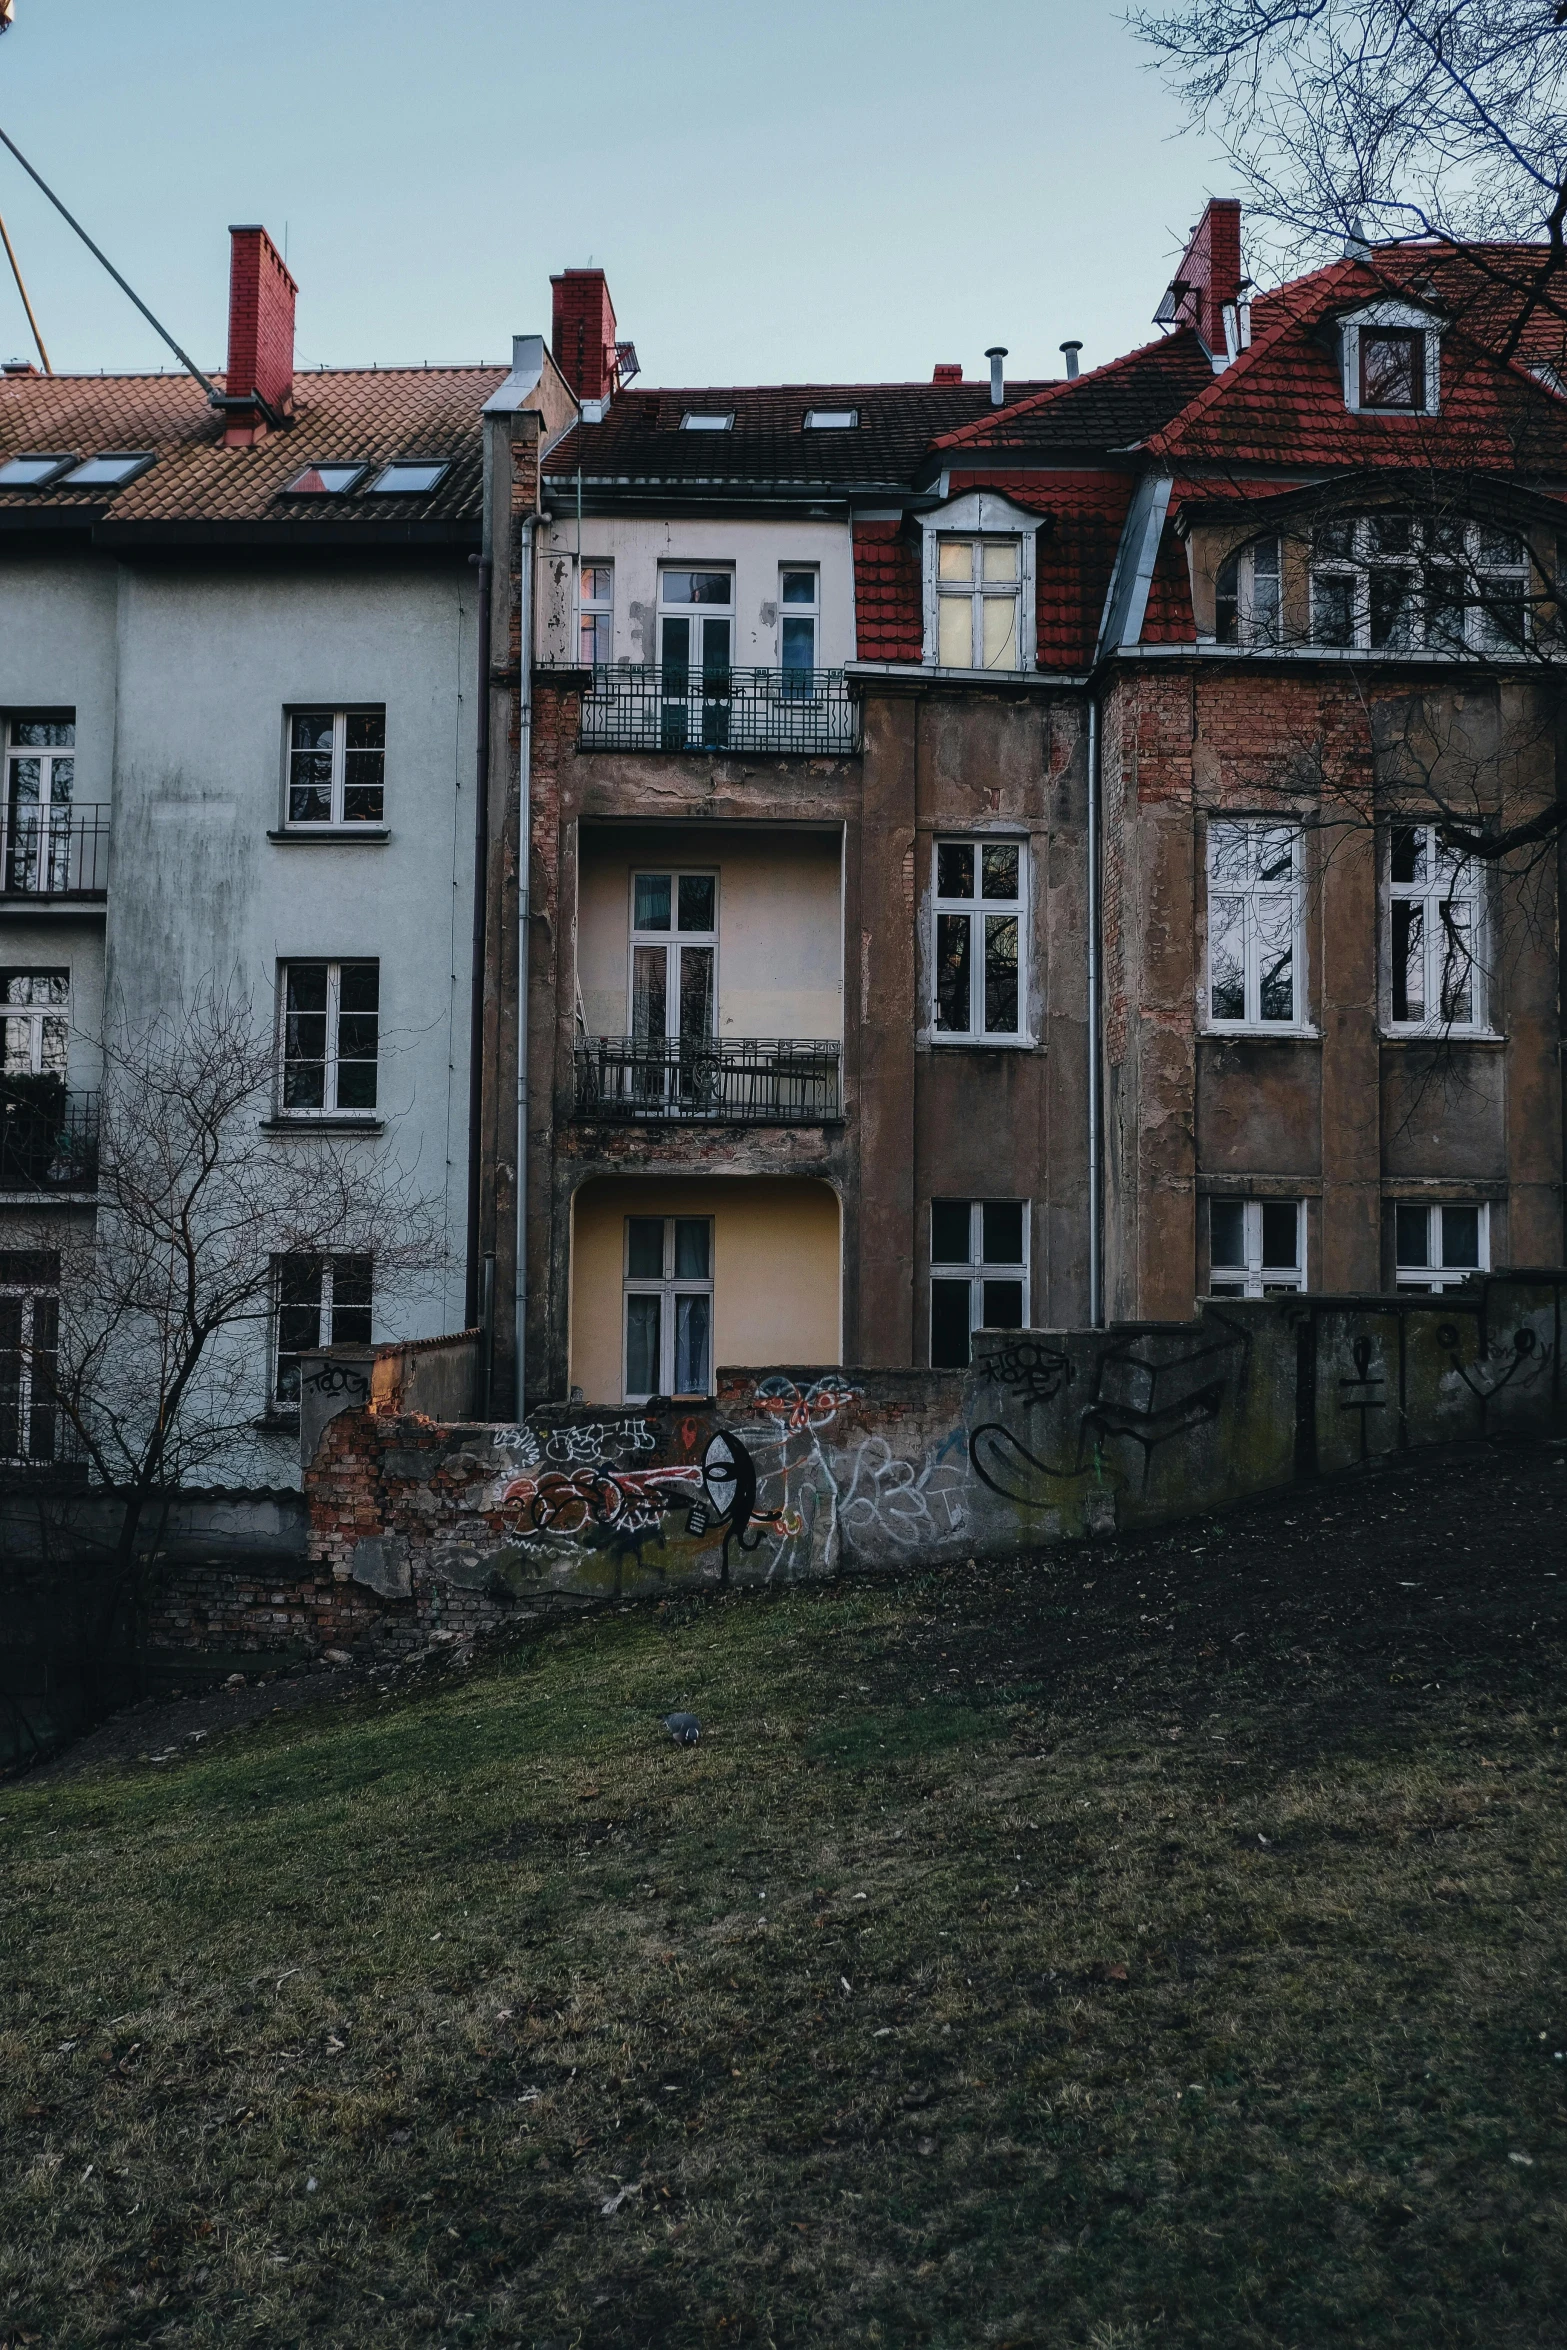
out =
column 724, row 1080
column 799, row 712
column 48, row 1137
column 53, row 854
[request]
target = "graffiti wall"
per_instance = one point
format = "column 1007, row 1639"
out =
column 1050, row 1435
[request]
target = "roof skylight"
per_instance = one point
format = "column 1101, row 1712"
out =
column 407, row 476
column 26, row 473
column 324, row 481
column 831, row 419
column 107, row 471
column 695, row 421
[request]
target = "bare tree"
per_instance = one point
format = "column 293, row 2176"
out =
column 1381, row 118
column 150, row 1366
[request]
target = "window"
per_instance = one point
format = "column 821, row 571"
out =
column 409, row 476
column 105, row 472
column 40, row 777
column 29, row 1354
column 695, row 641
column 331, row 1033
column 1396, row 583
column 674, row 950
column 1437, row 1247
column 694, row 421
column 30, row 473
column 831, row 419
column 1254, row 925
column 1246, row 602
column 978, row 1273
column 1434, row 908
column 595, row 614
column 336, row 767
column 325, row 481
column 1257, row 1247
column 1392, row 367
column 669, row 1306
column 979, row 912
column 979, row 592
column 799, row 598
column 35, row 1026
column 320, row 1301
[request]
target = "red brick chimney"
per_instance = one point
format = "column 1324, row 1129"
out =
column 1209, row 274
column 583, row 333
column 261, row 338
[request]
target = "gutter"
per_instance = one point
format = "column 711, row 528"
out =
column 479, row 1309
column 524, row 877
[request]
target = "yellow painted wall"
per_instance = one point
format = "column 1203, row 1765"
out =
column 780, row 956
column 776, row 1271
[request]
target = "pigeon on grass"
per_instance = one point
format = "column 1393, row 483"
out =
column 685, row 1729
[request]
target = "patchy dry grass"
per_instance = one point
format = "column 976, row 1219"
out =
column 1011, row 1963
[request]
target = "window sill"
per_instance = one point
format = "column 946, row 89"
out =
column 982, row 1044
column 279, row 1422
column 1268, row 1035
column 330, row 1122
column 332, row 836
column 1486, row 1039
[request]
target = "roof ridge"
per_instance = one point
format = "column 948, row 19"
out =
column 1291, row 314
column 962, row 434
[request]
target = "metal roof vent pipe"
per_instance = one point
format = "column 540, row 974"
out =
column 995, row 355
column 1069, row 353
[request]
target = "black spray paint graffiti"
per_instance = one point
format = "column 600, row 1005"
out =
column 1141, row 1396
column 1364, row 1391
column 718, row 1491
column 1528, row 1360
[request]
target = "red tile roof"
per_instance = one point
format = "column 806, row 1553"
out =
column 370, row 414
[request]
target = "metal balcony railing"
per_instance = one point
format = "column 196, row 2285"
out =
column 54, row 852
column 804, row 711
column 729, row 1080
column 48, row 1137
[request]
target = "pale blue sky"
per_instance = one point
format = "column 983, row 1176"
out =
column 780, row 190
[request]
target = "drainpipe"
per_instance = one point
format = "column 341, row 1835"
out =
column 1095, row 1275
column 476, row 1300
column 524, row 872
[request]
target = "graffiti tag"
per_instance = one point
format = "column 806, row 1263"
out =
column 793, row 1411
column 1033, row 1373
column 590, row 1440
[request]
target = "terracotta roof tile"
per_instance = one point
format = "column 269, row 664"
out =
column 1110, row 407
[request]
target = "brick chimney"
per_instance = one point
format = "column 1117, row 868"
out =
column 1209, row 275
column 582, row 334
column 261, row 338
column 947, row 371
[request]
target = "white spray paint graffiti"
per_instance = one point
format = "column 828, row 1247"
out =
column 864, row 1493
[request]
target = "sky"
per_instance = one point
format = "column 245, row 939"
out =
column 779, row 190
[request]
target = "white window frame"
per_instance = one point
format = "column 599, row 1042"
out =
column 1253, row 1277
column 1436, row 1277
column 30, row 1292
column 976, row 1269
column 672, row 939
column 304, row 1114
column 811, row 612
column 1253, row 893
column 831, row 419
column 35, row 1017
column 1464, row 885
column 668, row 1286
column 978, row 909
column 326, row 1315
column 595, row 611
column 979, row 515
column 1258, row 593
column 337, row 821
column 1470, row 568
column 708, row 420
column 1407, row 317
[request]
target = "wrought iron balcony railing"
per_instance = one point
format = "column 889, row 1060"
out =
column 48, row 1137
column 54, row 852
column 728, row 1080
column 805, row 711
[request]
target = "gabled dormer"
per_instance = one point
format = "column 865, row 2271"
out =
column 1390, row 358
column 979, row 583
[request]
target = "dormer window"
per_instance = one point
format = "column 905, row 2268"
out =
column 979, row 583
column 1246, row 595
column 1392, row 368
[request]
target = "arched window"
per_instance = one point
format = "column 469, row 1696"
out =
column 1394, row 582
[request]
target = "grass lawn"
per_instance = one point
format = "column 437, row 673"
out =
column 1159, row 1943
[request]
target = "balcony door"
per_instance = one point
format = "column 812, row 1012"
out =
column 40, row 775
column 696, row 655
column 674, row 955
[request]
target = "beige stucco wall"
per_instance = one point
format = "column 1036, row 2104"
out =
column 776, row 1271
column 779, row 924
column 638, row 545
